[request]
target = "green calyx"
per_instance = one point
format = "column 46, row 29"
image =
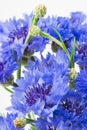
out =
column 34, row 30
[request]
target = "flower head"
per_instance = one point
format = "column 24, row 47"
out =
column 41, row 88
column 70, row 114
column 81, row 56
column 81, row 82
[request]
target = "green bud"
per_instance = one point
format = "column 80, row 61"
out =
column 40, row 11
column 20, row 122
column 73, row 73
column 34, row 30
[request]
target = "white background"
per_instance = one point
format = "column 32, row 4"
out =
column 10, row 8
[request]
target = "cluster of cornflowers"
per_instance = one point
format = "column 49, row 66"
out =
column 48, row 92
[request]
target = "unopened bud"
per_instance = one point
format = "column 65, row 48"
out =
column 20, row 122
column 34, row 30
column 40, row 11
column 73, row 73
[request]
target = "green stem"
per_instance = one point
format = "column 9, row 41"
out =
column 46, row 35
column 34, row 20
column 19, row 71
column 29, row 121
column 72, row 64
column 29, row 36
column 33, row 127
column 61, row 40
column 10, row 91
column 14, row 84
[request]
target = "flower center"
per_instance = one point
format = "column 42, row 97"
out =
column 22, row 33
column 36, row 92
column 73, row 106
column 1, row 66
column 83, row 50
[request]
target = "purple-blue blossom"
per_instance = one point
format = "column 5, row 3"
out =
column 44, row 87
column 44, row 83
column 71, row 114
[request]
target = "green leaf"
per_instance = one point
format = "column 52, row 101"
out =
column 63, row 44
column 33, row 127
column 72, row 54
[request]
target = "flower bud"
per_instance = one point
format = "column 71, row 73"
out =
column 34, row 30
column 20, row 122
column 73, row 73
column 40, row 11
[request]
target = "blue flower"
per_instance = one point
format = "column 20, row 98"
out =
column 7, row 66
column 72, row 111
column 11, row 50
column 43, row 124
column 77, row 18
column 6, row 123
column 61, row 24
column 38, row 43
column 16, row 32
column 77, row 21
column 81, row 56
column 81, row 82
column 43, row 85
column 71, row 114
column 79, row 29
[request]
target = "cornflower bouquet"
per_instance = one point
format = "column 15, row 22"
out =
column 48, row 89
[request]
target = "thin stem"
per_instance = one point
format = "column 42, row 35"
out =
column 19, row 71
column 10, row 91
column 46, row 35
column 14, row 84
column 29, row 36
column 73, row 54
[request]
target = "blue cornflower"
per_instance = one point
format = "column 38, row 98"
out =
column 68, row 27
column 72, row 111
column 19, row 30
column 77, row 18
column 71, row 114
column 61, row 24
column 81, row 55
column 79, row 29
column 38, row 43
column 43, row 85
column 7, row 66
column 81, row 82
column 43, row 124
column 11, row 50
column 7, row 123
column 77, row 21
column 12, row 37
